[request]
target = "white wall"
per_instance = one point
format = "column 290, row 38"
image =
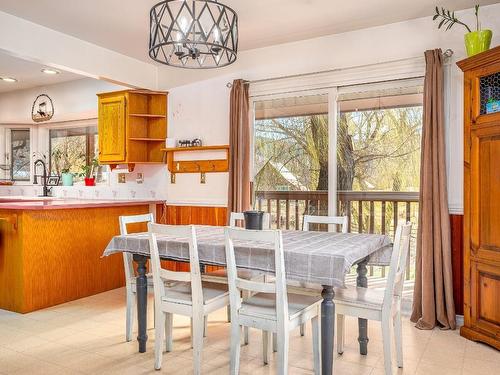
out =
column 201, row 109
column 73, row 100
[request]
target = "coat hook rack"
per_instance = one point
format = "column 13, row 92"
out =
column 196, row 166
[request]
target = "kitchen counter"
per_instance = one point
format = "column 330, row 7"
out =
column 48, row 203
column 50, row 248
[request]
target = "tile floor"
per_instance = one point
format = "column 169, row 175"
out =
column 87, row 337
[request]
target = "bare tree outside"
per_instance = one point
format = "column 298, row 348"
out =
column 72, row 149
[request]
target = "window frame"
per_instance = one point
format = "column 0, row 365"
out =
column 12, row 158
column 6, row 157
column 331, row 93
column 331, row 83
column 88, row 139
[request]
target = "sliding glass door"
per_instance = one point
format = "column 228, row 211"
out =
column 291, row 148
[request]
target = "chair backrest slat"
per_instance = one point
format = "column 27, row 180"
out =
column 127, row 257
column 255, row 286
column 272, row 238
column 160, row 275
column 332, row 220
column 400, row 253
column 236, row 216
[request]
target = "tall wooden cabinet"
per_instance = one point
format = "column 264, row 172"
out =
column 482, row 198
column 132, row 127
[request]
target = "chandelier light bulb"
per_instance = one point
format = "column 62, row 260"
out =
column 184, row 25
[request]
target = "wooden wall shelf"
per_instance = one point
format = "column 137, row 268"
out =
column 197, row 166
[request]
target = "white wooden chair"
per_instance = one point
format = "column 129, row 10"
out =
column 130, row 276
column 270, row 308
column 331, row 220
column 220, row 276
column 382, row 306
column 189, row 296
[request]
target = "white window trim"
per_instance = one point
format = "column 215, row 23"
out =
column 5, row 130
column 39, row 139
column 385, row 71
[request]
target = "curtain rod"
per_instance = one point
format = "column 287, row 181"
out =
column 447, row 54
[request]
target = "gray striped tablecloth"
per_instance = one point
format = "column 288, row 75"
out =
column 310, row 257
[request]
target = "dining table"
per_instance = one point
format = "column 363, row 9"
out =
column 311, row 258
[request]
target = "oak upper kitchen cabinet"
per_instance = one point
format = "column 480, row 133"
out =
column 132, row 127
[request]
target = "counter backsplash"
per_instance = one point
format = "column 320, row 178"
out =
column 86, row 192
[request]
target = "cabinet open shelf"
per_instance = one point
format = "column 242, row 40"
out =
column 197, row 166
column 146, row 115
column 147, row 139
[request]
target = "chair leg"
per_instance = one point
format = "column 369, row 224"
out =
column 130, row 315
column 398, row 338
column 169, row 324
column 266, row 346
column 205, row 325
column 275, row 342
column 235, row 349
column 245, row 335
column 386, row 340
column 302, row 329
column 197, row 344
column 283, row 345
column 159, row 337
column 228, row 313
column 245, row 295
column 340, row 333
column 191, row 331
column 316, row 345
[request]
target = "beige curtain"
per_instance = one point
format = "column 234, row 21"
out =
column 433, row 293
column 239, row 149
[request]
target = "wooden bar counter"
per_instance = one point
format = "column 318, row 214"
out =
column 50, row 250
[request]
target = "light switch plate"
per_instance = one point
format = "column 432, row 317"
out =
column 203, row 178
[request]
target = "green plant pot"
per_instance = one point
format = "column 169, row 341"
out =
column 477, row 42
column 67, row 179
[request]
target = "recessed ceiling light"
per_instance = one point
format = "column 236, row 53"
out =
column 50, row 71
column 8, row 79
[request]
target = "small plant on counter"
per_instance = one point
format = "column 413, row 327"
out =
column 67, row 177
column 89, row 172
column 475, row 41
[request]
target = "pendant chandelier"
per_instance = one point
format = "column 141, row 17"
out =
column 193, row 34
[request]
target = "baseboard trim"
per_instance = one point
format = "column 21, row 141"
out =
column 459, row 320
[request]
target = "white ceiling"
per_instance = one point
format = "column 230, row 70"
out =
column 28, row 74
column 122, row 25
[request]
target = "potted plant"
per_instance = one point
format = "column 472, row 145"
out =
column 475, row 41
column 88, row 172
column 67, row 177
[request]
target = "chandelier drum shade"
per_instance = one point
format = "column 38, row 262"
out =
column 193, row 34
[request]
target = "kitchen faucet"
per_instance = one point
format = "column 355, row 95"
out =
column 46, row 190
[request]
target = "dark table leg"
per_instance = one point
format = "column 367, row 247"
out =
column 142, row 302
column 327, row 329
column 362, row 281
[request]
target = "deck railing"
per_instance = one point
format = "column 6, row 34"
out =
column 367, row 212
